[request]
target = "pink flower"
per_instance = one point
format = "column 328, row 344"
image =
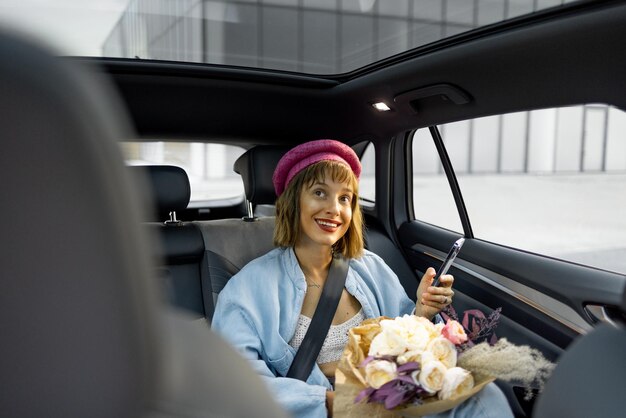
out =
column 454, row 332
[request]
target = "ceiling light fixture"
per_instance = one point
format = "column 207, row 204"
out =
column 381, row 107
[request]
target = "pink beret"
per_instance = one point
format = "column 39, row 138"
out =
column 302, row 156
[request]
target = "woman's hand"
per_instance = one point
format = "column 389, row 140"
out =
column 431, row 300
column 330, row 397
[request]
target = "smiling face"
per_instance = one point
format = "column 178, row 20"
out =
column 305, row 214
column 325, row 212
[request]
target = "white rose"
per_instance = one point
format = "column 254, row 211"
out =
column 419, row 356
column 434, row 330
column 427, row 357
column 456, row 382
column 443, row 350
column 409, row 356
column 381, row 346
column 379, row 372
column 391, row 341
column 431, row 376
column 397, row 335
column 407, row 331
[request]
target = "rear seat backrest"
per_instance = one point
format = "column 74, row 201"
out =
column 231, row 243
column 181, row 243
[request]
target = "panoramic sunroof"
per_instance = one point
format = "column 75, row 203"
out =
column 306, row 36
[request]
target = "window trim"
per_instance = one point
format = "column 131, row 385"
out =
column 452, row 181
column 450, row 175
column 369, row 204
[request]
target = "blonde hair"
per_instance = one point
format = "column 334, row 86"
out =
column 287, row 229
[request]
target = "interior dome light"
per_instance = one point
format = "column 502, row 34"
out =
column 381, row 107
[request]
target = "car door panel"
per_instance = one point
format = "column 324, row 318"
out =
column 545, row 295
column 473, row 290
column 521, row 323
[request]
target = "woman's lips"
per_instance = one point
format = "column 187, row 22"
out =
column 327, row 225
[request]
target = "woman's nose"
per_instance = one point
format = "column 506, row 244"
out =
column 333, row 207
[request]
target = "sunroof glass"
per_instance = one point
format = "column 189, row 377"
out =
column 308, row 36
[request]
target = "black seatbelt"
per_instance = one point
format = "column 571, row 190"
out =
column 207, row 287
column 320, row 323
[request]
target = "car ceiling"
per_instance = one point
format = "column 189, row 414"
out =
column 556, row 58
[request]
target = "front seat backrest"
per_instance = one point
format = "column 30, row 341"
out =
column 83, row 334
column 73, row 323
column 588, row 380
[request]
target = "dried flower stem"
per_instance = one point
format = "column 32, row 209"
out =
column 508, row 362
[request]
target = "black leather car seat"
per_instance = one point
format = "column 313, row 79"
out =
column 83, row 332
column 231, row 243
column 181, row 244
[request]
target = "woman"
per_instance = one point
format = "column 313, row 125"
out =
column 265, row 309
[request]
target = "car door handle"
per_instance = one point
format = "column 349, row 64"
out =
column 603, row 313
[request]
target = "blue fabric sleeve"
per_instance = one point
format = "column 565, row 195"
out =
column 392, row 299
column 297, row 397
column 393, row 292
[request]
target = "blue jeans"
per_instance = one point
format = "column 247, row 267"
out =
column 489, row 402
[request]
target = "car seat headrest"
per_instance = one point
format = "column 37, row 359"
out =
column 256, row 167
column 170, row 185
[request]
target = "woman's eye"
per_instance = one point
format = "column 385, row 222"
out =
column 318, row 192
column 346, row 199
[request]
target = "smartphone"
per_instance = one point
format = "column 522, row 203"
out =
column 456, row 247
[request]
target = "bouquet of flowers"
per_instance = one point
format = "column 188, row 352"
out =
column 411, row 367
column 404, row 362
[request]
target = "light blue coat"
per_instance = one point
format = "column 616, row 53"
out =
column 257, row 311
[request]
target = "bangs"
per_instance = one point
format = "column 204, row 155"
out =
column 339, row 173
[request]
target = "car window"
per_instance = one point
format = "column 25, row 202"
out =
column 432, row 197
column 548, row 181
column 367, row 184
column 209, row 166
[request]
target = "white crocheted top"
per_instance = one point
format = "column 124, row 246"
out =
column 335, row 341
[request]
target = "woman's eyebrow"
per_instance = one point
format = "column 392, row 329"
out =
column 344, row 189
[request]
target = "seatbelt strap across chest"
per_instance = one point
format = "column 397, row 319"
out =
column 320, row 323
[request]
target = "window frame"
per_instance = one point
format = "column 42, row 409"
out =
column 486, row 236
column 448, row 169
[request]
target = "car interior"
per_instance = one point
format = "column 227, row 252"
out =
column 111, row 273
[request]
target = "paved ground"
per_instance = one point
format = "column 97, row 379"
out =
column 579, row 218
